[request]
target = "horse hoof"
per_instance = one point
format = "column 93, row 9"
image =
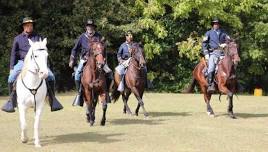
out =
column 102, row 123
column 38, row 146
column 232, row 116
column 210, row 114
column 24, row 140
column 91, row 123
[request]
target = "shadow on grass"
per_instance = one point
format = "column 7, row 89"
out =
column 168, row 114
column 245, row 115
column 251, row 115
column 134, row 121
column 80, row 137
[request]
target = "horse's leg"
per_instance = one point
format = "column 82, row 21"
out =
column 138, row 106
column 23, row 125
column 95, row 101
column 140, row 102
column 89, row 108
column 226, row 91
column 125, row 96
column 207, row 98
column 230, row 108
column 104, row 108
column 38, row 112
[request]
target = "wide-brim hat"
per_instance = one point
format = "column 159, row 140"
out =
column 90, row 22
column 129, row 32
column 215, row 20
column 27, row 20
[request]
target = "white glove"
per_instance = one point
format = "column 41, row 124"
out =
column 206, row 56
column 223, row 45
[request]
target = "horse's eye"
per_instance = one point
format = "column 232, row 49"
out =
column 35, row 56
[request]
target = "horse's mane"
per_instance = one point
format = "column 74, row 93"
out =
column 26, row 60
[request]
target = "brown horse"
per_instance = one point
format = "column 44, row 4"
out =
column 225, row 77
column 134, row 80
column 94, row 82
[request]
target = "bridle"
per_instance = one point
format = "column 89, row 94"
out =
column 34, row 90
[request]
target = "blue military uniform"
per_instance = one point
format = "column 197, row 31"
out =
column 212, row 51
column 82, row 46
column 19, row 50
column 123, row 52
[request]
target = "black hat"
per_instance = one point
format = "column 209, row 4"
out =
column 90, row 22
column 215, row 20
column 129, row 32
column 27, row 20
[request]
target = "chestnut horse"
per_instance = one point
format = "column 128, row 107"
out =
column 134, row 80
column 225, row 78
column 94, row 82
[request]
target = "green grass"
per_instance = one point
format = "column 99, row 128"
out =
column 177, row 122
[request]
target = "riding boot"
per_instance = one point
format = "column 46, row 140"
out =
column 78, row 101
column 53, row 101
column 11, row 104
column 211, row 87
column 121, row 84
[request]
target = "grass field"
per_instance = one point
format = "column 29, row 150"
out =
column 177, row 122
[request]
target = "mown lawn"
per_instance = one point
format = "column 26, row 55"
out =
column 177, row 122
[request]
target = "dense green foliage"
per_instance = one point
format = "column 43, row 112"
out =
column 170, row 31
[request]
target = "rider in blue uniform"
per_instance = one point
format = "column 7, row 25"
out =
column 82, row 46
column 19, row 50
column 213, row 43
column 123, row 56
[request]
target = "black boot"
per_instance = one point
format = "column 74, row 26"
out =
column 211, row 87
column 53, row 101
column 11, row 104
column 78, row 101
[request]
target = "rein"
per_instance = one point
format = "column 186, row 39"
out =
column 33, row 91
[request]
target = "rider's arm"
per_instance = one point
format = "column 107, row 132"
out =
column 76, row 48
column 205, row 44
column 13, row 54
column 119, row 54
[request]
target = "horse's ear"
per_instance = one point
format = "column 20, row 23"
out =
column 30, row 42
column 45, row 41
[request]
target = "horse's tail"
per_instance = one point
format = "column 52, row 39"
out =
column 190, row 88
column 115, row 94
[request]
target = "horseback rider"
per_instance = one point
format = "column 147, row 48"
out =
column 123, row 57
column 19, row 50
column 212, row 45
column 83, row 46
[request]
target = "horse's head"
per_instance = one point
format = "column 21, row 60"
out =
column 232, row 51
column 36, row 58
column 98, row 52
column 137, row 54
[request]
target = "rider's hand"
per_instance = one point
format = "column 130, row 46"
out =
column 223, row 45
column 11, row 70
column 71, row 62
column 206, row 56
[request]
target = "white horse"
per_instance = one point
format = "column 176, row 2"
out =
column 31, row 87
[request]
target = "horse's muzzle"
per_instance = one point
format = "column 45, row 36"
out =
column 100, row 65
column 43, row 74
column 142, row 66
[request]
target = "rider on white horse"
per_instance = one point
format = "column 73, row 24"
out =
column 31, row 88
column 19, row 50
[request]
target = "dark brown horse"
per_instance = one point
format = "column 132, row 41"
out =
column 225, row 77
column 94, row 82
column 134, row 80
